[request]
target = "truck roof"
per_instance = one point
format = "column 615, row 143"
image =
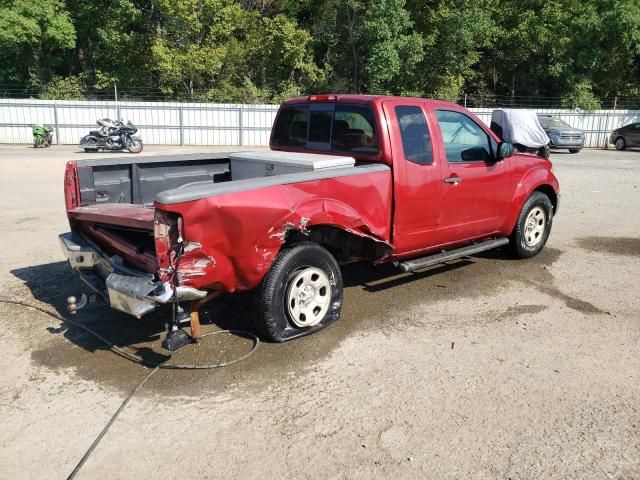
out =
column 364, row 99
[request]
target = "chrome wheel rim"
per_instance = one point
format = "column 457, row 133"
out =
column 620, row 144
column 534, row 226
column 308, row 297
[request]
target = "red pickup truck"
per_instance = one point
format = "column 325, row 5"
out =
column 347, row 178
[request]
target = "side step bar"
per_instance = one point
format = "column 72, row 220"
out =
column 419, row 263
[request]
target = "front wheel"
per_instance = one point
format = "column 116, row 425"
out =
column 574, row 150
column 134, row 145
column 301, row 294
column 533, row 226
column 620, row 143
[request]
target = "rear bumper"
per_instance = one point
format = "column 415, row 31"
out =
column 123, row 288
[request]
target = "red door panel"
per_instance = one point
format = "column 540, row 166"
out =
column 475, row 188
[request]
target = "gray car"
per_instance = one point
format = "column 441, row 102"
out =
column 627, row 136
column 561, row 134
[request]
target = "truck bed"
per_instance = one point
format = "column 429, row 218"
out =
column 127, row 181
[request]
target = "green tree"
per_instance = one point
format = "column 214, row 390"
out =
column 392, row 51
column 36, row 37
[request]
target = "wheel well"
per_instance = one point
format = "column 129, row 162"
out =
column 343, row 245
column 549, row 192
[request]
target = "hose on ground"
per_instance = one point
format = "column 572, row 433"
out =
column 137, row 359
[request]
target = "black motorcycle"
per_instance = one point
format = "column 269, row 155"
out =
column 112, row 135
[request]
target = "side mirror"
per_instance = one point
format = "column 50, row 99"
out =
column 505, row 150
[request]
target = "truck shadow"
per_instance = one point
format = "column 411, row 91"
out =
column 51, row 284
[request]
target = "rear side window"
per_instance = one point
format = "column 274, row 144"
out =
column 416, row 140
column 291, row 128
column 354, row 130
column 327, row 126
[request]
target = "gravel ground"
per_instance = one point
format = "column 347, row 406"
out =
column 485, row 368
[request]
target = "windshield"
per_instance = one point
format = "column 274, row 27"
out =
column 553, row 122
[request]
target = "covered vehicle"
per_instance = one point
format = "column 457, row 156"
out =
column 562, row 136
column 521, row 128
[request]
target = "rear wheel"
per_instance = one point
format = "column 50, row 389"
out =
column 620, row 143
column 533, row 226
column 301, row 294
column 574, row 150
column 89, row 143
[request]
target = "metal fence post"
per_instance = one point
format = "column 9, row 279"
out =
column 181, row 125
column 240, row 115
column 55, row 121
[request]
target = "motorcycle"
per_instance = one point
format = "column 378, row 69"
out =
column 42, row 136
column 112, row 135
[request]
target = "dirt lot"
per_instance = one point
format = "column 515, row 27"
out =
column 486, row 368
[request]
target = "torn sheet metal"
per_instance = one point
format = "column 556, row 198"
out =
column 231, row 240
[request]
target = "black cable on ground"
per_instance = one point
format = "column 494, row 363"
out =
column 109, row 423
column 134, row 358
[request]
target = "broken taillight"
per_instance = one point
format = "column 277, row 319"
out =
column 167, row 233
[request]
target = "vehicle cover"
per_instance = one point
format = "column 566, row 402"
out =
column 520, row 127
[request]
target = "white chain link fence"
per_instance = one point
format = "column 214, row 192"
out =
column 162, row 123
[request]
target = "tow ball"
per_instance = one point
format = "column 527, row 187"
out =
column 73, row 305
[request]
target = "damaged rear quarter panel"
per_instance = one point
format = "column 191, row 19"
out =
column 233, row 239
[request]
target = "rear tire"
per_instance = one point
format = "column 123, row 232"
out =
column 533, row 226
column 574, row 150
column 620, row 143
column 301, row 294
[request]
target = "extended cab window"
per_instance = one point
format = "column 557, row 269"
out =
column 354, row 130
column 464, row 140
column 291, row 128
column 327, row 126
column 416, row 141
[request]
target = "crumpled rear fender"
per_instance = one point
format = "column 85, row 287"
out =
column 232, row 240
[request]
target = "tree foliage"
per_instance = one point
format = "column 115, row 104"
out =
column 266, row 50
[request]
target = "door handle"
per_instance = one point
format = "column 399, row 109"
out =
column 454, row 180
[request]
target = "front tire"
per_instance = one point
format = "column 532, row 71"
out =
column 533, row 226
column 301, row 294
column 574, row 150
column 620, row 144
column 134, row 146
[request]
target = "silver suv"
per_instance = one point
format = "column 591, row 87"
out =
column 561, row 134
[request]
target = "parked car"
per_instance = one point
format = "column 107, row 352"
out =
column 561, row 134
column 408, row 181
column 626, row 137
